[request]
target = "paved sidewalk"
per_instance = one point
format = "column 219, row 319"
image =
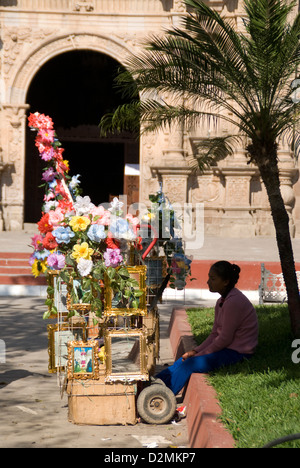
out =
column 32, row 412
column 261, row 249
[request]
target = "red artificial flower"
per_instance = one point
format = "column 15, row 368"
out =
column 49, row 242
column 44, row 225
column 58, row 154
column 65, row 205
column 111, row 242
column 38, row 120
column 139, row 245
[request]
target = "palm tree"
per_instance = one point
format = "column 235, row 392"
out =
column 214, row 72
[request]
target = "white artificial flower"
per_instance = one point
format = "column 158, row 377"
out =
column 74, row 182
column 116, row 205
column 83, row 205
column 84, row 266
column 50, row 205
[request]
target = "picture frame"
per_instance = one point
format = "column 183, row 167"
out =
column 76, row 295
column 125, row 355
column 58, row 337
column 114, row 306
column 59, row 297
column 83, row 363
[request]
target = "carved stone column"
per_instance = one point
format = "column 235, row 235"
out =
column 288, row 174
column 174, row 154
column 2, row 167
column 13, row 142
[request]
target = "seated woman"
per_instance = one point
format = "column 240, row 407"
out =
column 234, row 336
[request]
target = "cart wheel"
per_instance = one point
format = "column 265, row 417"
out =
column 156, row 404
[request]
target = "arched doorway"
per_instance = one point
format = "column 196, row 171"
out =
column 76, row 88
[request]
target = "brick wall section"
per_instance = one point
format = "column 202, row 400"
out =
column 203, row 410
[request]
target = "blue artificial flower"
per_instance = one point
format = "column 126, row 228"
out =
column 96, row 233
column 63, row 235
column 119, row 228
column 41, row 254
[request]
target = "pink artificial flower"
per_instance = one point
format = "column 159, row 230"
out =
column 133, row 221
column 49, row 175
column 56, row 261
column 56, row 217
column 47, row 154
column 103, row 216
column 37, row 242
column 45, row 136
column 112, row 257
column 49, row 196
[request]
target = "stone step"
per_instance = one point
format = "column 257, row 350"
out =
column 15, row 270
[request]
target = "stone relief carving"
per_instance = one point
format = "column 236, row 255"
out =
column 15, row 40
column 84, row 5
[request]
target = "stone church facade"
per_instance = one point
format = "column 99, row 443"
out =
column 35, row 32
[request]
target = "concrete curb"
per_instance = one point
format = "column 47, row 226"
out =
column 203, row 410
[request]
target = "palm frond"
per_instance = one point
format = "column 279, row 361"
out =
column 208, row 151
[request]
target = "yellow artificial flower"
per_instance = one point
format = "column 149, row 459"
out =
column 38, row 267
column 82, row 251
column 79, row 223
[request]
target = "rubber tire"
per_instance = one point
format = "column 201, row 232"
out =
column 156, row 404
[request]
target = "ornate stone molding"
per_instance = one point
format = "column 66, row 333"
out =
column 84, row 5
column 58, row 45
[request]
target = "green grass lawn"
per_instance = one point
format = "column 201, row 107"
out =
column 260, row 398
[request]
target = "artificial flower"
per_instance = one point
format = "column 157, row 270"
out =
column 47, row 153
column 38, row 120
column 83, row 205
column 116, row 205
column 45, row 135
column 120, row 229
column 74, row 182
column 79, row 223
column 49, row 174
column 38, row 267
column 82, row 251
column 84, row 266
column 49, row 241
column 112, row 257
column 49, row 196
column 41, row 254
column 44, row 224
column 63, row 235
column 50, row 205
column 100, row 215
column 134, row 221
column 111, row 242
column 58, row 154
column 96, row 233
column 56, row 217
column 62, row 167
column 65, row 205
column 37, row 242
column 56, row 261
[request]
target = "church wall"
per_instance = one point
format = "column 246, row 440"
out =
column 34, row 31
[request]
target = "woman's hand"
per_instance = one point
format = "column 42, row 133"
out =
column 188, row 355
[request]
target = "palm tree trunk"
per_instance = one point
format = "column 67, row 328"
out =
column 270, row 176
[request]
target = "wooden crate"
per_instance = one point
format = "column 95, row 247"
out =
column 96, row 402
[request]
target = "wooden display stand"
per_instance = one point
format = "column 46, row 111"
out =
column 99, row 403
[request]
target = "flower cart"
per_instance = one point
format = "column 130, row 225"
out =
column 106, row 272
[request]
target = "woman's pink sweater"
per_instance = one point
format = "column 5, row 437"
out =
column 235, row 326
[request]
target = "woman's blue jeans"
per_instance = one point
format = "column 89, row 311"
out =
column 176, row 376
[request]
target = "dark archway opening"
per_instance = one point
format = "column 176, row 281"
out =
column 75, row 89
